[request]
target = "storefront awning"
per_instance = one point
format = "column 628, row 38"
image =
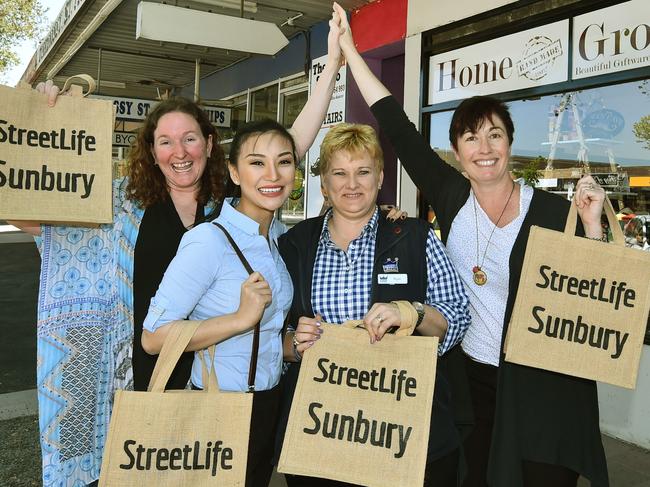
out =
column 98, row 37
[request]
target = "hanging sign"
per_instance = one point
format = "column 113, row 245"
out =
column 527, row 59
column 129, row 108
column 612, row 39
column 138, row 109
column 124, row 139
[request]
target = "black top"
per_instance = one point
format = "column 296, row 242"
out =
column 540, row 415
column 159, row 235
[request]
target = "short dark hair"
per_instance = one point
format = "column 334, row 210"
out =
column 471, row 114
column 258, row 127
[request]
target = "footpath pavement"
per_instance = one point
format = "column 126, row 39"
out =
column 629, row 465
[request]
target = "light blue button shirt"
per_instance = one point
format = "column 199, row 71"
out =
column 204, row 280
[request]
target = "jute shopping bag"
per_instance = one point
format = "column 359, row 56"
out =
column 361, row 412
column 582, row 305
column 180, row 438
column 55, row 163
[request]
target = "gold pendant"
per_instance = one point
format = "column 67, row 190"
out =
column 480, row 277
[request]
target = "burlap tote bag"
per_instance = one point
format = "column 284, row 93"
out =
column 55, row 163
column 179, row 438
column 361, row 412
column 582, row 305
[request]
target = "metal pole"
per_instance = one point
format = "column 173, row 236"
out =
column 197, row 78
column 241, row 9
column 99, row 70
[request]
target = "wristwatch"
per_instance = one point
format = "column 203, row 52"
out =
column 419, row 308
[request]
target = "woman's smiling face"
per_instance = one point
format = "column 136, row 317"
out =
column 181, row 151
column 484, row 154
column 265, row 171
column 351, row 183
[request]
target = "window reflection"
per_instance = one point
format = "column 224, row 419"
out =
column 264, row 103
column 604, row 131
column 293, row 210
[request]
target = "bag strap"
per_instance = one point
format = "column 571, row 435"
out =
column 252, row 371
column 617, row 234
column 208, row 372
column 179, row 335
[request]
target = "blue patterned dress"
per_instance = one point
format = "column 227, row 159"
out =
column 84, row 338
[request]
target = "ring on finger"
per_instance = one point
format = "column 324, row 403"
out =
column 295, row 341
column 380, row 318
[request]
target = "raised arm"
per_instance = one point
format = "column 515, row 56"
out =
column 371, row 88
column 309, row 121
column 430, row 173
column 27, row 226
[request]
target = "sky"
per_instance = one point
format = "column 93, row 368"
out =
column 26, row 49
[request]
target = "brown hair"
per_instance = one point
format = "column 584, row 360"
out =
column 471, row 114
column 354, row 138
column 147, row 184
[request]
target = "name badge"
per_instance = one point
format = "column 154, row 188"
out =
column 391, row 279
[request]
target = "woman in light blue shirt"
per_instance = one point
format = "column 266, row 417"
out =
column 207, row 281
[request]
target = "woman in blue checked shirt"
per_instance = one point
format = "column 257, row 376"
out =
column 334, row 261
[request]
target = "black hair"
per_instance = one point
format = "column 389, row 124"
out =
column 248, row 130
column 471, row 114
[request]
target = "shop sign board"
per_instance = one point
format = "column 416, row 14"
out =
column 611, row 39
column 336, row 110
column 527, row 59
column 67, row 13
column 611, row 179
column 335, row 114
column 123, row 139
column 137, row 109
column 220, row 117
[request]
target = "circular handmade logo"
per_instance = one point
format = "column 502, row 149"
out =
column 538, row 57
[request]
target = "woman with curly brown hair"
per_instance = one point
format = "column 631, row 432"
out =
column 96, row 283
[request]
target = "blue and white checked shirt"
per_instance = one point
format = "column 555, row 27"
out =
column 342, row 281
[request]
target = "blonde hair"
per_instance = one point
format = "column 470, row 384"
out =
column 354, row 138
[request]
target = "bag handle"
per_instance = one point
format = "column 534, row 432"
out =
column 76, row 90
column 617, row 234
column 252, row 370
column 353, row 324
column 208, row 372
column 179, row 335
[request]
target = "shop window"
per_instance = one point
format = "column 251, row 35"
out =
column 293, row 210
column 264, row 103
column 605, row 131
column 237, row 119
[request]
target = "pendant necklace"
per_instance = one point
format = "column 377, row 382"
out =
column 480, row 277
